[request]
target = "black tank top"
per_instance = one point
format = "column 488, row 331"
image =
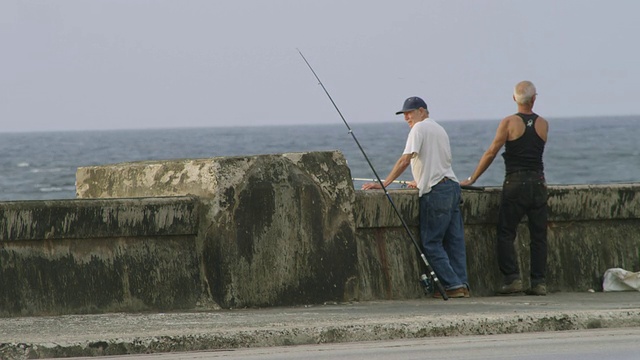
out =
column 525, row 152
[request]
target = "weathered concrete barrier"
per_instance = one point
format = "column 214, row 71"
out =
column 271, row 230
column 77, row 256
column 591, row 228
column 276, row 229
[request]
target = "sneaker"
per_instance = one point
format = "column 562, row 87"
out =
column 514, row 288
column 538, row 290
column 462, row 292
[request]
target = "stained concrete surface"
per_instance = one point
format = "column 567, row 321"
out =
column 127, row 333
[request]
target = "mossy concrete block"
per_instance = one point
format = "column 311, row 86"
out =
column 591, row 228
column 96, row 218
column 87, row 256
column 276, row 229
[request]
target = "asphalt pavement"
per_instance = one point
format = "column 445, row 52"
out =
column 138, row 333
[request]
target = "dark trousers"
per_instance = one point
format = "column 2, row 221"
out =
column 523, row 193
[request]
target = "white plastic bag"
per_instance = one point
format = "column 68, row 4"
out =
column 617, row 279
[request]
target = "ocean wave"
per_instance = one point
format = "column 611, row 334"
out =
column 51, row 170
column 51, row 189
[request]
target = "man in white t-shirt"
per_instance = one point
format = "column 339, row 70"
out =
column 441, row 228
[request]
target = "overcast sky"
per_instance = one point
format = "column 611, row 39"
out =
column 121, row 64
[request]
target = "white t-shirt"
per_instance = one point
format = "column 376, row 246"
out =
column 431, row 161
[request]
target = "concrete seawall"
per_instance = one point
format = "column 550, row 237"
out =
column 83, row 256
column 270, row 230
column 590, row 229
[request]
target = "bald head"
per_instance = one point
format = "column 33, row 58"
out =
column 524, row 93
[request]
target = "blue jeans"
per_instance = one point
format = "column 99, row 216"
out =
column 442, row 234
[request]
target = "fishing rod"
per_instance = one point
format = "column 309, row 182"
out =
column 432, row 273
column 405, row 183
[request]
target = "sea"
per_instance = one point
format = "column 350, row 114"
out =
column 42, row 165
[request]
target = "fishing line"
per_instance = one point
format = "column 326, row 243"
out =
column 432, row 273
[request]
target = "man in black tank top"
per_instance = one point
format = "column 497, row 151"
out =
column 524, row 190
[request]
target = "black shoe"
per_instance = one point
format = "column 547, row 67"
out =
column 538, row 290
column 515, row 288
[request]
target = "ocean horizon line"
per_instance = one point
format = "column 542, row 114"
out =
column 338, row 122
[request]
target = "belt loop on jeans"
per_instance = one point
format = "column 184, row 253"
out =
column 443, row 180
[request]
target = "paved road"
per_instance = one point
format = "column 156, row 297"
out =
column 596, row 344
column 120, row 333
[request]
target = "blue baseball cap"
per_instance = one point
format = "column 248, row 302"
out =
column 412, row 103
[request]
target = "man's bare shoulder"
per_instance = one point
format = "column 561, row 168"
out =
column 542, row 127
column 540, row 118
column 510, row 119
